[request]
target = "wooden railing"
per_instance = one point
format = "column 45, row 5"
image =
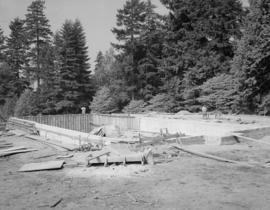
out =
column 86, row 122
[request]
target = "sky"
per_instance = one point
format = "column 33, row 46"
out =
column 98, row 17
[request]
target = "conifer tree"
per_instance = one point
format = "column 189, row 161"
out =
column 151, row 41
column 130, row 24
column 39, row 34
column 198, row 44
column 2, row 46
column 17, row 48
column 76, row 86
column 252, row 60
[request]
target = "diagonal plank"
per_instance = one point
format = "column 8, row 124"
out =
column 42, row 166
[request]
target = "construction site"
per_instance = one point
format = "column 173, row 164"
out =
column 143, row 161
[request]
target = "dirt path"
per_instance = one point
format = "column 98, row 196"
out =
column 188, row 182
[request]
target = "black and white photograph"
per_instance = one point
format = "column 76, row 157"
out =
column 135, row 104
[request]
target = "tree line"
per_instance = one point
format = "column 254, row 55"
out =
column 203, row 52
column 43, row 72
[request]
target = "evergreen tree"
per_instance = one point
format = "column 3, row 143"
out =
column 2, row 46
column 252, row 60
column 9, row 84
column 108, row 74
column 76, row 85
column 99, row 61
column 39, row 34
column 151, row 41
column 48, row 88
column 130, row 24
column 16, row 53
column 104, row 102
column 198, row 45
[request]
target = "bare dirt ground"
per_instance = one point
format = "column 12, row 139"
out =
column 184, row 182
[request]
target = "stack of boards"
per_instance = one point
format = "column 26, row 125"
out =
column 13, row 150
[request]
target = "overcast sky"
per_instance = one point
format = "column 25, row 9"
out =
column 98, row 17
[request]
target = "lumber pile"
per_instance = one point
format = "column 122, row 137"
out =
column 49, row 165
column 4, row 144
column 15, row 150
column 19, row 124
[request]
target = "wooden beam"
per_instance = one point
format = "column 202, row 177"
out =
column 42, row 166
column 251, row 139
column 213, row 157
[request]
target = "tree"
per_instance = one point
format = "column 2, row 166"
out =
column 162, row 103
column 47, row 93
column 17, row 47
column 219, row 93
column 76, row 85
column 104, row 102
column 10, row 86
column 2, row 45
column 130, row 24
column 151, row 41
column 252, row 60
column 198, row 44
column 26, row 104
column 106, row 69
column 39, row 34
column 16, row 53
column 135, row 106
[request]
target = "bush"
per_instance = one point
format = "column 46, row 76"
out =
column 135, row 106
column 26, row 104
column 162, row 103
column 7, row 110
column 219, row 93
column 264, row 107
column 104, row 102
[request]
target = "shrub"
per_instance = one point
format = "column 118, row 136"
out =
column 219, row 93
column 135, row 106
column 26, row 104
column 7, row 110
column 104, row 102
column 162, row 103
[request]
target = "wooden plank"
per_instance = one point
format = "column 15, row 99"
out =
column 13, row 148
column 42, row 166
column 213, row 157
column 64, row 156
column 251, row 139
column 97, row 155
column 16, row 152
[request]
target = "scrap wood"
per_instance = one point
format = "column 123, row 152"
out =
column 100, row 139
column 64, row 156
column 251, row 139
column 98, row 155
column 56, row 203
column 4, row 145
column 49, row 165
column 13, row 148
column 213, row 157
column 16, row 152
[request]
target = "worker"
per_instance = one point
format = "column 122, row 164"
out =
column 83, row 110
column 204, row 112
